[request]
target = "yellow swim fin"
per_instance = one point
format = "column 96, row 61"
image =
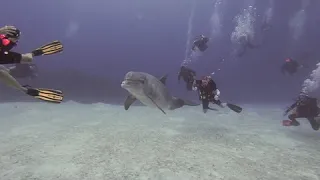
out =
column 49, row 95
column 48, row 49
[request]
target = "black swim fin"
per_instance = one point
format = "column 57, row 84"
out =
column 234, row 108
column 49, row 95
column 48, row 49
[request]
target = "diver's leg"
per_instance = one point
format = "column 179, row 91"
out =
column 10, row 57
column 217, row 102
column 4, row 68
column 315, row 126
column 293, row 117
column 205, row 105
column 9, row 80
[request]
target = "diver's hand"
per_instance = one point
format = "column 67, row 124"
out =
column 216, row 97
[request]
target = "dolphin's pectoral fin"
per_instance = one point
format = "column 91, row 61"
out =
column 178, row 103
column 130, row 99
column 157, row 105
column 163, row 79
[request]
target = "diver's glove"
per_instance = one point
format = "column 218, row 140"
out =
column 194, row 86
column 217, row 94
column 11, row 33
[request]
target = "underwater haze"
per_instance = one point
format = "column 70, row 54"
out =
column 91, row 136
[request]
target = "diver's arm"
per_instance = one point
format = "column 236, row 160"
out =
column 192, row 72
column 196, row 84
column 290, row 108
column 214, row 88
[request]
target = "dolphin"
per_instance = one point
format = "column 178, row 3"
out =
column 151, row 92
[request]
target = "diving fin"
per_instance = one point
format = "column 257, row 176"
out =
column 48, row 49
column 130, row 99
column 49, row 95
column 157, row 105
column 234, row 108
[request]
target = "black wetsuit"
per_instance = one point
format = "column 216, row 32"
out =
column 188, row 76
column 290, row 67
column 7, row 56
column 206, row 93
column 304, row 107
column 10, row 57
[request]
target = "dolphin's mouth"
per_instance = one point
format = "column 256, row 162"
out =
column 131, row 82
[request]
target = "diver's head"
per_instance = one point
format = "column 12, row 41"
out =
column 205, row 80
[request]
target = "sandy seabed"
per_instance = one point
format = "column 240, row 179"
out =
column 72, row 141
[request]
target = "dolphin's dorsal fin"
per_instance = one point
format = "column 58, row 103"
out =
column 130, row 99
column 163, row 79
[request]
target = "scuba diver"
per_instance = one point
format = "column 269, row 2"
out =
column 200, row 43
column 188, row 76
column 290, row 66
column 304, row 107
column 208, row 92
column 9, row 36
column 245, row 42
column 25, row 70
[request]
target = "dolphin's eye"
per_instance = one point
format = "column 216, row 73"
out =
column 142, row 81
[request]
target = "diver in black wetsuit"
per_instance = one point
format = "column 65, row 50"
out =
column 188, row 76
column 304, row 107
column 208, row 92
column 200, row 43
column 290, row 66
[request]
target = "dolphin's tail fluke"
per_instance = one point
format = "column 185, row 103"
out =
column 178, row 103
